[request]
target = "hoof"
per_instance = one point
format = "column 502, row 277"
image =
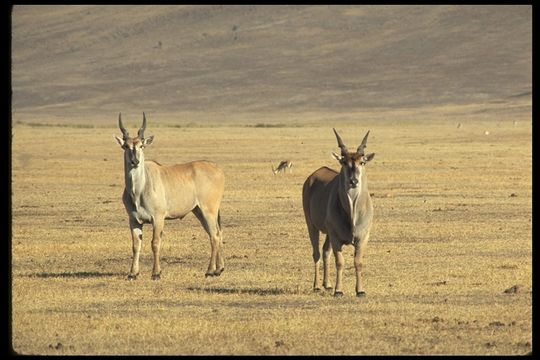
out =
column 328, row 287
column 361, row 294
column 338, row 294
column 156, row 276
column 132, row 277
column 218, row 272
column 317, row 290
column 208, row 274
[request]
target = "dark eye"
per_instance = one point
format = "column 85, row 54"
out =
column 362, row 163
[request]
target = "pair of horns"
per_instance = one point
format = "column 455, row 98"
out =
column 344, row 150
column 125, row 133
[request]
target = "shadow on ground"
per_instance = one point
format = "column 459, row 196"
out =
column 250, row 291
column 78, row 274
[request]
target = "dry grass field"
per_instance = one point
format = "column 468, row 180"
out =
column 452, row 232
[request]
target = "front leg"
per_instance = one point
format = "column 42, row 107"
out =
column 158, row 223
column 359, row 250
column 136, row 236
column 340, row 262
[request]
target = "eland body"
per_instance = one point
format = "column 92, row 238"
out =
column 338, row 204
column 155, row 192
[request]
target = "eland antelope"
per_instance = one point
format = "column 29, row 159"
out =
column 283, row 165
column 156, row 192
column 338, row 204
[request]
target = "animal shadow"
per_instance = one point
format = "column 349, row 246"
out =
column 249, row 291
column 76, row 274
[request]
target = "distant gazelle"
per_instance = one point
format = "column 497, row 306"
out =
column 156, row 192
column 339, row 205
column 283, row 165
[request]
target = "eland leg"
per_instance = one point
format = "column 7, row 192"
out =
column 220, row 266
column 326, row 264
column 314, row 237
column 136, row 236
column 359, row 250
column 340, row 262
column 158, row 224
column 209, row 221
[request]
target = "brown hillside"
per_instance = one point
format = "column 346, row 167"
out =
column 80, row 62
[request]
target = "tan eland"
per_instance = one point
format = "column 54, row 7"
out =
column 338, row 204
column 155, row 192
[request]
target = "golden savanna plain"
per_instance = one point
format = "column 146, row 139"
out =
column 447, row 270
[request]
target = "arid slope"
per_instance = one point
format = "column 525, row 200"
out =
column 85, row 62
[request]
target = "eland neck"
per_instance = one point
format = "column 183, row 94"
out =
column 353, row 200
column 135, row 178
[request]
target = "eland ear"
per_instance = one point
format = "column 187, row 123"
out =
column 119, row 140
column 369, row 157
column 336, row 156
column 147, row 141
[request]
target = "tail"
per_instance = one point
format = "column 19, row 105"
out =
column 219, row 219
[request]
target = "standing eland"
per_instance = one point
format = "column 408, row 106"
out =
column 156, row 192
column 339, row 205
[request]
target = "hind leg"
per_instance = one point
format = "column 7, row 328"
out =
column 220, row 266
column 327, row 250
column 316, row 253
column 210, row 223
